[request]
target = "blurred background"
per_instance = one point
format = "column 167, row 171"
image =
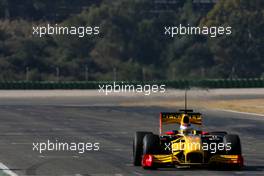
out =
column 131, row 44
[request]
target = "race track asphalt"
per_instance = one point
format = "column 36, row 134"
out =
column 25, row 123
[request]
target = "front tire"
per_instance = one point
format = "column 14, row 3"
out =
column 138, row 147
column 151, row 144
column 235, row 145
column 235, row 149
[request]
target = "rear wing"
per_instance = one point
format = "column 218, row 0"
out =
column 176, row 117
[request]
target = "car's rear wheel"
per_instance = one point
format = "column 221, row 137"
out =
column 138, row 147
column 222, row 133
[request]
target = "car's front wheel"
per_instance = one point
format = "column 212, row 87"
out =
column 233, row 146
column 138, row 147
column 151, row 144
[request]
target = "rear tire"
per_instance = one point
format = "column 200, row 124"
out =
column 138, row 147
column 223, row 133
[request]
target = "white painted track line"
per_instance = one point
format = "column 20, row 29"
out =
column 6, row 170
column 239, row 112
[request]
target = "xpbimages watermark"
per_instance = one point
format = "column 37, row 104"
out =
column 193, row 146
column 213, row 31
column 80, row 31
column 79, row 147
column 146, row 89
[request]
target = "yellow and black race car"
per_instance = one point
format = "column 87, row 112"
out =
column 186, row 146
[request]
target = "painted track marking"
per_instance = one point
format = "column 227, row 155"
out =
column 6, row 170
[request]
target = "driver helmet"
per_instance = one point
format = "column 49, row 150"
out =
column 186, row 126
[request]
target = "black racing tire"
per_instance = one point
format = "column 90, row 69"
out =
column 151, row 144
column 232, row 147
column 218, row 133
column 138, row 147
column 235, row 145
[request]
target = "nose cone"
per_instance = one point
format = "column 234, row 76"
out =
column 193, row 144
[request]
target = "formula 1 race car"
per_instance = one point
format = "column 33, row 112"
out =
column 186, row 146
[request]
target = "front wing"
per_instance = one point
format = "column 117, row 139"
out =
column 169, row 159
